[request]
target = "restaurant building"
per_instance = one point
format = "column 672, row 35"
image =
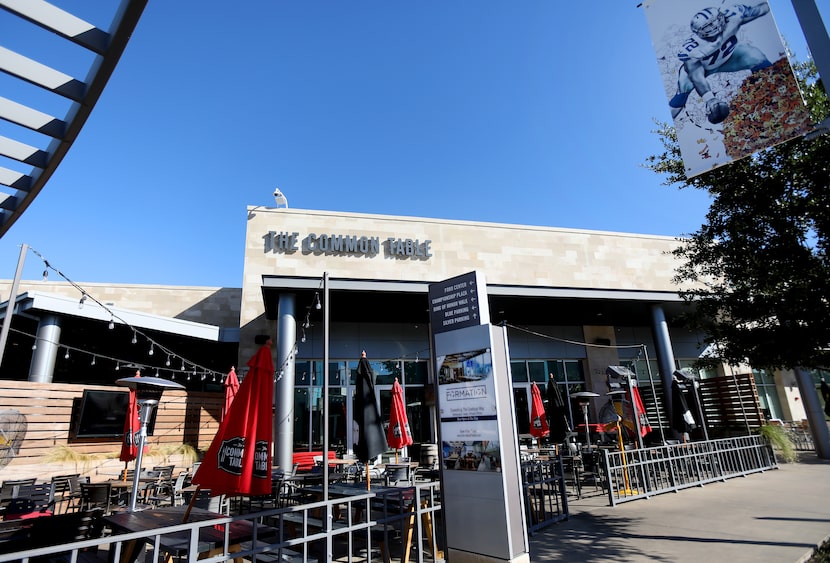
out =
column 574, row 302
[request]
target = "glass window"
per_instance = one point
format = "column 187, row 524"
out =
column 415, row 372
column 522, row 409
column 519, row 371
column 537, row 371
column 301, row 420
column 302, row 373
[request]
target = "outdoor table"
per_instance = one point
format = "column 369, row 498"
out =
column 211, row 538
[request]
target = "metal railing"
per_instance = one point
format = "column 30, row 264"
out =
column 545, row 496
column 641, row 473
column 307, row 532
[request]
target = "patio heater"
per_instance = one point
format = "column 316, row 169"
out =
column 584, row 399
column 148, row 392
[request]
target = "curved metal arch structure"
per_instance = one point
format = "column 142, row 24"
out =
column 34, row 162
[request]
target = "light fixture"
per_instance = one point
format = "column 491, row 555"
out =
column 92, row 363
column 135, row 338
column 302, row 338
column 34, row 345
column 45, row 275
column 66, row 356
column 280, row 199
column 151, row 349
column 317, row 304
column 81, row 302
column 306, row 324
column 112, row 323
column 182, row 365
column 117, row 366
column 157, row 372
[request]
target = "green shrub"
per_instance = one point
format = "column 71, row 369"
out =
column 776, row 436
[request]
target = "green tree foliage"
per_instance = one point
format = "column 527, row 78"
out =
column 758, row 270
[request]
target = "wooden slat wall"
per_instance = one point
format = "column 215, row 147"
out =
column 731, row 405
column 182, row 417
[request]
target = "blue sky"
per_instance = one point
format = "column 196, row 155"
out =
column 535, row 112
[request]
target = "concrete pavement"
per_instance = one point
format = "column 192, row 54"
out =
column 781, row 515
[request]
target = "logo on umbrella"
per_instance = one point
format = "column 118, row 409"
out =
column 230, row 455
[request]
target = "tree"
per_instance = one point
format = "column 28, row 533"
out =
column 758, row 269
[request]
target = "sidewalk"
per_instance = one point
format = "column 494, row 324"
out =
column 778, row 516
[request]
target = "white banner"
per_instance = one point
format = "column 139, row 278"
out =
column 730, row 86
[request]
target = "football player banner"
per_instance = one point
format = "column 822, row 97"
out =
column 730, row 88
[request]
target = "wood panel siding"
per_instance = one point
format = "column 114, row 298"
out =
column 51, row 411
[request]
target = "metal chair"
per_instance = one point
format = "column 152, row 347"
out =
column 397, row 474
column 62, row 493
column 96, row 495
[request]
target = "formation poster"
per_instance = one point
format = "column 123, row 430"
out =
column 468, row 413
column 729, row 85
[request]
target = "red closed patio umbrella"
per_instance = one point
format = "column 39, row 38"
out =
column 238, row 461
column 398, row 435
column 129, row 446
column 538, row 419
column 231, row 389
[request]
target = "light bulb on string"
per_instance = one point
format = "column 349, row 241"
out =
column 204, row 376
column 151, row 349
column 306, row 324
column 34, row 345
column 135, row 338
column 173, row 375
column 93, row 361
column 81, row 302
column 188, row 377
column 157, row 372
column 182, row 368
column 167, row 363
column 117, row 366
column 317, row 304
column 45, row 275
column 112, row 323
column 66, row 356
column 302, row 338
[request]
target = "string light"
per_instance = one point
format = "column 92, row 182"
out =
column 92, row 363
column 317, row 304
column 151, row 350
column 302, row 339
column 167, row 363
column 66, row 356
column 111, row 325
column 117, row 366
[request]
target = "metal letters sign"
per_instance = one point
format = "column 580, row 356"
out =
column 730, row 88
column 458, row 302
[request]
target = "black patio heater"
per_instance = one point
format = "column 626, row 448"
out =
column 148, row 392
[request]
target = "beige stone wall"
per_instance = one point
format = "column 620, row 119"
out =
column 507, row 254
column 210, row 305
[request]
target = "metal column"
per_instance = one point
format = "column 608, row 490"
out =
column 284, row 387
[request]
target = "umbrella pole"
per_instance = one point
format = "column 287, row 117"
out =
column 191, row 503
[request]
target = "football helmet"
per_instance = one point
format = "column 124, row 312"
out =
column 708, row 23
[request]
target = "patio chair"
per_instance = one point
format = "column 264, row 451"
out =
column 170, row 493
column 97, row 495
column 398, row 474
column 62, row 493
column 204, row 500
